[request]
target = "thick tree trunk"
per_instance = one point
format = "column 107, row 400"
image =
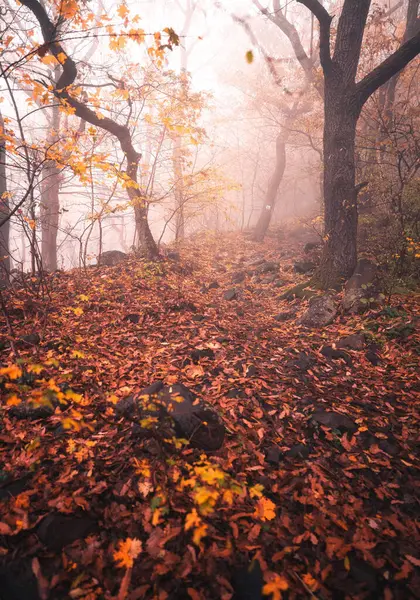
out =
column 273, row 188
column 340, row 193
column 4, row 211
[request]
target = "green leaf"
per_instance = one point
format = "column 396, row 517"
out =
column 249, row 57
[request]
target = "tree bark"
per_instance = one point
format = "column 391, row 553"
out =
column 121, row 132
column 4, row 211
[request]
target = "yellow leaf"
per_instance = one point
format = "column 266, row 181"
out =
column 249, row 57
column 265, row 510
column 199, row 533
column 13, row 400
column 49, row 59
column 77, row 353
column 37, row 369
column 123, row 11
column 127, row 552
column 275, row 586
column 113, row 399
column 192, row 520
column 347, row 563
column 70, row 395
column 83, row 298
column 13, row 372
column 78, row 311
column 256, row 491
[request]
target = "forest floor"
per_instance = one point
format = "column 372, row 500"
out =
column 292, row 506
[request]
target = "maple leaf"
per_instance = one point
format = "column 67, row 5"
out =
column 199, row 533
column 12, row 372
column 13, row 400
column 192, row 520
column 123, row 11
column 275, row 586
column 128, row 551
column 265, row 510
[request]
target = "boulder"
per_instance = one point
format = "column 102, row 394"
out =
column 311, row 246
column 58, row 530
column 334, row 420
column 200, row 353
column 304, row 267
column 355, row 341
column 361, row 289
column 230, row 294
column 132, row 318
column 238, row 276
column 330, row 352
column 267, row 267
column 193, row 419
column 285, row 316
column 213, row 285
column 111, row 258
column 321, row 312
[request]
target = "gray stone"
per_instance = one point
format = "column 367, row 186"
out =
column 304, row 267
column 238, row 276
column 230, row 294
column 111, row 258
column 334, row 420
column 355, row 341
column 321, row 312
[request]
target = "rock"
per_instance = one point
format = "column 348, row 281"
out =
column 389, row 446
column 273, row 455
column 198, row 354
column 132, row 318
column 32, row 339
column 248, row 582
column 235, row 393
column 10, row 489
column 111, row 258
column 251, row 371
column 26, row 410
column 355, row 341
column 269, row 279
column 267, row 267
column 230, row 294
column 304, row 267
column 238, row 276
column 303, row 362
column 184, row 305
column 311, row 246
column 255, row 262
column 334, row 420
column 198, row 318
column 285, row 316
column 213, row 285
column 18, row 582
column 194, row 420
column 173, row 256
column 280, row 283
column 321, row 312
column 58, row 530
column 330, row 352
column 360, row 287
column 372, row 355
column 299, row 451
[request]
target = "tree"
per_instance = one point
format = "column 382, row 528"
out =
column 344, row 99
column 4, row 210
column 65, row 90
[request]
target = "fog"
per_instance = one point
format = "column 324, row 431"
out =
column 246, row 81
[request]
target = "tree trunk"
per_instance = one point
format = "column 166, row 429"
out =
column 50, row 203
column 4, row 211
column 272, row 190
column 340, row 195
column 179, row 189
column 50, row 208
